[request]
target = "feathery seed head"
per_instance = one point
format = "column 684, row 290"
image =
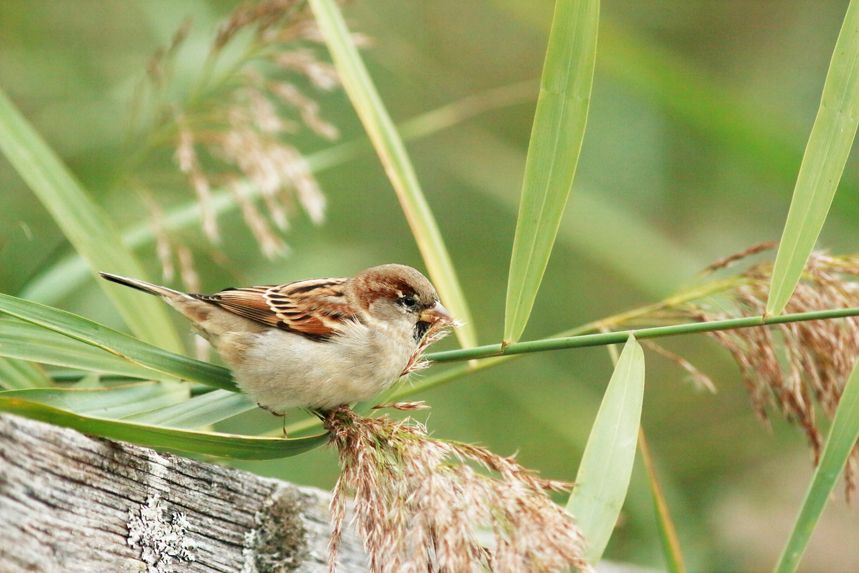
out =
column 419, row 507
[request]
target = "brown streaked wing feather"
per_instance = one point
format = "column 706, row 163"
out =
column 315, row 308
column 248, row 302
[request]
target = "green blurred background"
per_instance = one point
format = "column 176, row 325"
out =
column 699, row 117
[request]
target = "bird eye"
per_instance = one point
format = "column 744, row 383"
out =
column 409, row 300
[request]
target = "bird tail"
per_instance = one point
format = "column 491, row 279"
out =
column 161, row 291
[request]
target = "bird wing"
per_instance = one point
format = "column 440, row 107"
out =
column 316, row 308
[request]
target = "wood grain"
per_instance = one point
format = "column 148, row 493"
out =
column 71, row 503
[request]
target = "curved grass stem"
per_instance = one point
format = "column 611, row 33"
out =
column 604, row 338
column 483, row 357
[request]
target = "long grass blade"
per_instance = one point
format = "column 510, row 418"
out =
column 114, row 402
column 20, row 374
column 117, row 343
column 84, row 224
column 841, row 440
column 606, row 466
column 553, row 153
column 389, row 145
column 206, row 443
column 197, row 412
column 37, row 344
column 616, row 337
column 825, row 155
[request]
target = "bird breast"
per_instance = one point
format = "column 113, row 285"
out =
column 283, row 370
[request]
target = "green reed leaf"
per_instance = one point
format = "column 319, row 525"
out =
column 825, row 155
column 606, row 466
column 197, row 412
column 205, row 443
column 38, row 344
column 842, row 438
column 392, row 151
column 553, row 153
column 20, row 374
column 114, row 402
column 117, row 343
column 83, row 223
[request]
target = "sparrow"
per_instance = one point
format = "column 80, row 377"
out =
column 315, row 343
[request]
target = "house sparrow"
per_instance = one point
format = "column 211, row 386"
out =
column 316, row 343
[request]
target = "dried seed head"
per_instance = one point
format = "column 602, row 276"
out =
column 308, row 108
column 234, row 127
column 271, row 244
column 262, row 17
column 304, row 30
column 190, row 278
column 189, row 164
column 419, row 507
column 436, row 332
column 191, row 283
column 403, row 406
column 265, row 117
column 794, row 368
column 321, row 74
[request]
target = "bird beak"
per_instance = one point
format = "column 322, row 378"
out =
column 435, row 314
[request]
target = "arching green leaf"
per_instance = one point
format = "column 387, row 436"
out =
column 553, row 153
column 606, row 467
column 825, row 155
column 206, row 443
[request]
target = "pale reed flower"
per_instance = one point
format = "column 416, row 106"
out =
column 419, row 506
column 234, row 128
column 189, row 164
column 794, row 369
column 309, row 109
column 162, row 241
column 271, row 244
column 191, row 282
column 321, row 74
